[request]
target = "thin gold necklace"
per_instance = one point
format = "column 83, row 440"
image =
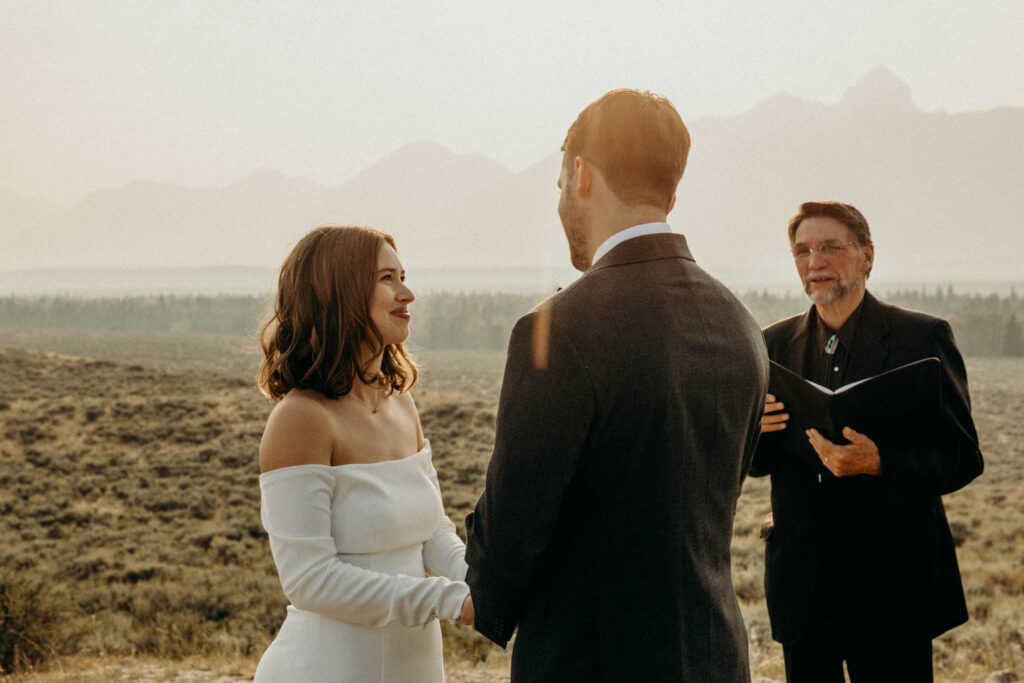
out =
column 373, row 407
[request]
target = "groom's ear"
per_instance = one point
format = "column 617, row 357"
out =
column 584, row 177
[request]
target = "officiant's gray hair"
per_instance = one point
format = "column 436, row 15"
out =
column 846, row 214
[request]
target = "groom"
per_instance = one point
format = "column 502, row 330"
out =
column 628, row 415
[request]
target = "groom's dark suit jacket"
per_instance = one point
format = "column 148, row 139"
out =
column 628, row 416
column 878, row 547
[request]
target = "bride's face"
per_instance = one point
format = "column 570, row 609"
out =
column 390, row 299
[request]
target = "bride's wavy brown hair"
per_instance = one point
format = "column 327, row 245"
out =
column 321, row 320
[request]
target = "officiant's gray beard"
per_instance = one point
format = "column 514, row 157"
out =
column 573, row 225
column 841, row 289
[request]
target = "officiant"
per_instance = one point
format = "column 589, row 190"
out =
column 860, row 565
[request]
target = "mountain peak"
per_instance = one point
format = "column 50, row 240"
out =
column 781, row 102
column 414, row 162
column 420, row 150
column 879, row 88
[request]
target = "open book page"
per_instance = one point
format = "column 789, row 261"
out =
column 837, row 390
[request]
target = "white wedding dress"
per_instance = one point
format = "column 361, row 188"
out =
column 352, row 544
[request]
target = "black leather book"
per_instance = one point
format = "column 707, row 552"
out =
column 891, row 408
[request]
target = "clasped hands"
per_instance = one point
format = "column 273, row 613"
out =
column 860, row 456
column 467, row 615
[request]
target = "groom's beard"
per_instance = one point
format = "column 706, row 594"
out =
column 572, row 224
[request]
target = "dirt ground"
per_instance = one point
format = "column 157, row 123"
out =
column 91, row 669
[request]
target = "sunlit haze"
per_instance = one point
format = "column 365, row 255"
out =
column 97, row 95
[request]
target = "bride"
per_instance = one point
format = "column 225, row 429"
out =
column 349, row 497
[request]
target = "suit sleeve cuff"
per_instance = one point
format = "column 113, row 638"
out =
column 497, row 631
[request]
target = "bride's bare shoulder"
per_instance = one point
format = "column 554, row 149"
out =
column 299, row 431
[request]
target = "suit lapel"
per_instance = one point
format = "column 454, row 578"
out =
column 794, row 356
column 870, row 354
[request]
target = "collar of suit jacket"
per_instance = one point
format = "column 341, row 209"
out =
column 644, row 248
column 871, row 328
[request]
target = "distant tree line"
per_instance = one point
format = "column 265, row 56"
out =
column 984, row 325
column 187, row 314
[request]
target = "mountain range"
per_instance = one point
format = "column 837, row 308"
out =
column 944, row 194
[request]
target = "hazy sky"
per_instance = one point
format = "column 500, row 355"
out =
column 94, row 94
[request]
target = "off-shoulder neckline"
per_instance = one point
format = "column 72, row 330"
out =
column 289, row 468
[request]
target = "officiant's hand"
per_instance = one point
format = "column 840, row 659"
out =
column 860, row 456
column 466, row 618
column 773, row 420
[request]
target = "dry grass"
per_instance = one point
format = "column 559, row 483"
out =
column 132, row 485
column 134, row 488
column 86, row 669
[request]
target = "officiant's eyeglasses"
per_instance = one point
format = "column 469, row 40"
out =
column 802, row 252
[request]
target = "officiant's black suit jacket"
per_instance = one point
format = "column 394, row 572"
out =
column 892, row 565
column 605, row 525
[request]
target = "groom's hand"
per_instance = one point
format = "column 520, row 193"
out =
column 466, row 618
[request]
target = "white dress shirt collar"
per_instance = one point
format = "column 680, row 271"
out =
column 628, row 234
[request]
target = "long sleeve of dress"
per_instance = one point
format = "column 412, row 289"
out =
column 296, row 513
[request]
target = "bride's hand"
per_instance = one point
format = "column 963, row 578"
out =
column 466, row 618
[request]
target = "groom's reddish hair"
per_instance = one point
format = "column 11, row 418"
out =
column 637, row 141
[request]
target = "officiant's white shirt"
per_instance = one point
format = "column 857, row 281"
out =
column 628, row 234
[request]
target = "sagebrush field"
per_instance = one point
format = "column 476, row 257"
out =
column 130, row 506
